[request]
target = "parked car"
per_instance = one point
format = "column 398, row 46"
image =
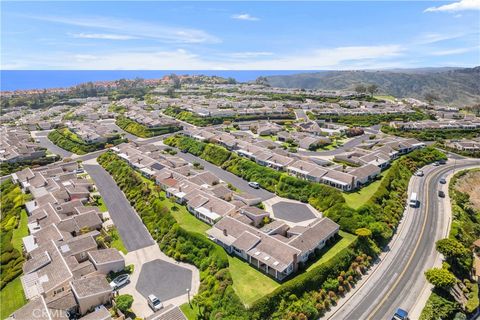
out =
column 441, row 194
column 443, row 161
column 120, row 281
column 443, row 181
column 79, row 170
column 436, row 164
column 419, row 173
column 400, row 314
column 154, row 303
column 254, row 185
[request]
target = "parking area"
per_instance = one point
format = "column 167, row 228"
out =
column 292, row 211
column 163, row 279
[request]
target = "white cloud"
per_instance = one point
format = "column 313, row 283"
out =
column 461, row 5
column 453, row 51
column 245, row 16
column 249, row 54
column 103, row 36
column 158, row 59
column 135, row 28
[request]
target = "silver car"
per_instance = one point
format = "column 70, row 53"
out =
column 120, row 281
column 154, row 303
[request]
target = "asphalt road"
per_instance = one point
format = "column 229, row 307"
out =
column 53, row 148
column 163, row 279
column 294, row 212
column 399, row 278
column 131, row 228
column 227, row 176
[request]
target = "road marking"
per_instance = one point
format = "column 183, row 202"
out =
column 399, row 278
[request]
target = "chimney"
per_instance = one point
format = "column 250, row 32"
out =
column 180, row 189
column 295, row 262
column 225, row 232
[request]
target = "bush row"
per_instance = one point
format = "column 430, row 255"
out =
column 142, row 131
column 372, row 119
column 69, row 141
column 433, row 134
column 11, row 260
column 8, row 168
column 194, row 119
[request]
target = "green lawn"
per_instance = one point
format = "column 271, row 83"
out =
column 346, row 240
column 249, row 283
column 388, row 98
column 117, row 241
column 184, row 218
column 11, row 297
column 20, row 232
column 189, row 312
column 269, row 137
column 102, row 206
column 358, row 198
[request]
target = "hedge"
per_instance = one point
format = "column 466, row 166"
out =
column 69, row 141
column 11, row 260
column 142, row 131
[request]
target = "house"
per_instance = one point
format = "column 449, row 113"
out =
column 338, row 179
column 91, row 292
column 365, row 173
column 255, row 214
column 107, row 260
column 37, row 309
column 271, row 249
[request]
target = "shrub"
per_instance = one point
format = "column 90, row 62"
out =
column 124, row 302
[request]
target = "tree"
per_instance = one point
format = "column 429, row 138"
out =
column 430, row 97
column 360, row 88
column 372, row 89
column 452, row 248
column 124, row 302
column 440, row 278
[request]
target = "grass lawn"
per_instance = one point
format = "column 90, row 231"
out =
column 358, row 198
column 269, row 137
column 189, row 312
column 11, row 297
column 117, row 241
column 346, row 240
column 185, row 219
column 21, row 231
column 388, row 98
column 102, row 207
column 249, row 283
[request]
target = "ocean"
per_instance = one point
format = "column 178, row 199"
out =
column 43, row 79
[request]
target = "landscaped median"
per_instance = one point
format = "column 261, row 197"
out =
column 66, row 139
column 142, row 131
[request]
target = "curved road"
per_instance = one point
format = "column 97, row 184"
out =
column 398, row 279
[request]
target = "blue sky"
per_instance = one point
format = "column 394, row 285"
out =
column 199, row 35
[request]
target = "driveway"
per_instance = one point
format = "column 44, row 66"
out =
column 132, row 230
column 41, row 136
column 163, row 279
column 290, row 211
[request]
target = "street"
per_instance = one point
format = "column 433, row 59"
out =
column 130, row 226
column 398, row 279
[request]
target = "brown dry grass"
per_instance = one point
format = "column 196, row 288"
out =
column 470, row 183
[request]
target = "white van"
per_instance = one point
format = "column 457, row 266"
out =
column 413, row 202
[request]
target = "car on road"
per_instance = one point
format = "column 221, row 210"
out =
column 443, row 161
column 154, row 302
column 419, row 173
column 400, row 314
column 120, row 281
column 436, row 164
column 254, row 185
column 413, row 201
column 443, row 181
column 441, row 194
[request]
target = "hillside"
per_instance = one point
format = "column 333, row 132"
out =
column 455, row 86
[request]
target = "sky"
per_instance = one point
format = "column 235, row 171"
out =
column 233, row 35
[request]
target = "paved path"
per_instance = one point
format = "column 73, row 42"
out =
column 398, row 278
column 41, row 136
column 140, row 258
column 227, row 176
column 131, row 228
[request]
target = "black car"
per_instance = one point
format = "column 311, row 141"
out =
column 443, row 181
column 441, row 194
